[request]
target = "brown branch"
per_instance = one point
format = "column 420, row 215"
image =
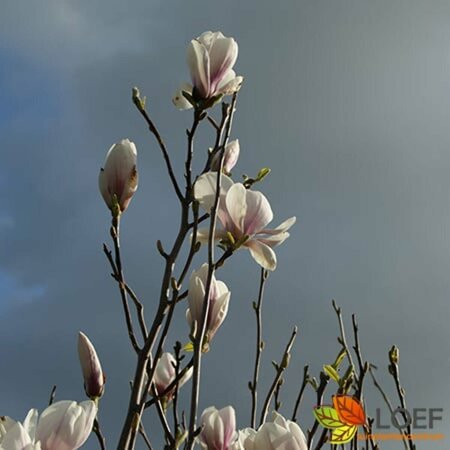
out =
column 98, row 432
column 300, row 394
column 52, row 395
column 140, row 106
column 257, row 306
column 280, row 368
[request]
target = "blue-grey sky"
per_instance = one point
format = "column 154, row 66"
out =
column 347, row 101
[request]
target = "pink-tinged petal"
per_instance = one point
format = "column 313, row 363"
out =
column 205, row 189
column 94, row 380
column 230, row 157
column 217, row 313
column 179, row 100
column 196, row 295
column 223, row 54
column 262, row 254
column 198, row 63
column 119, row 175
column 228, row 417
column 236, row 206
column 259, row 213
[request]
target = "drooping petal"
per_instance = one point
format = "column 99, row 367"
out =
column 258, row 214
column 262, row 254
column 198, row 63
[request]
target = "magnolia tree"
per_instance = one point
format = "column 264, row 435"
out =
column 225, row 215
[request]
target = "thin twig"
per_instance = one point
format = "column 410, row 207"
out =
column 143, row 433
column 253, row 385
column 324, row 379
column 98, row 432
column 300, row 394
column 115, row 234
column 394, row 370
column 139, row 104
column 280, row 368
column 343, row 340
column 52, row 395
column 201, row 329
column 387, row 401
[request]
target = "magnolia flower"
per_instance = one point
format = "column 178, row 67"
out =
column 94, row 379
column 119, row 178
column 210, row 58
column 64, row 425
column 280, row 434
column 165, row 374
column 219, row 298
column 244, row 215
column 15, row 436
column 230, row 157
column 218, row 429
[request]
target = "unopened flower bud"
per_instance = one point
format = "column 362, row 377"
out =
column 230, row 157
column 218, row 428
column 165, row 375
column 219, row 297
column 118, row 180
column 94, row 379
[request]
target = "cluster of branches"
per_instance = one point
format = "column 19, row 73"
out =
column 149, row 342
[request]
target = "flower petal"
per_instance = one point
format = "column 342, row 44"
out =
column 262, row 254
column 179, row 100
column 236, row 205
column 259, row 213
column 223, row 54
column 230, row 86
column 198, row 62
column 282, row 227
column 205, row 189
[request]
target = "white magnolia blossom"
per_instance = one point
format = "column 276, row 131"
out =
column 219, row 298
column 119, row 177
column 64, row 425
column 279, row 434
column 244, row 215
column 210, row 58
column 165, row 374
column 230, row 157
column 218, row 429
column 94, row 379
